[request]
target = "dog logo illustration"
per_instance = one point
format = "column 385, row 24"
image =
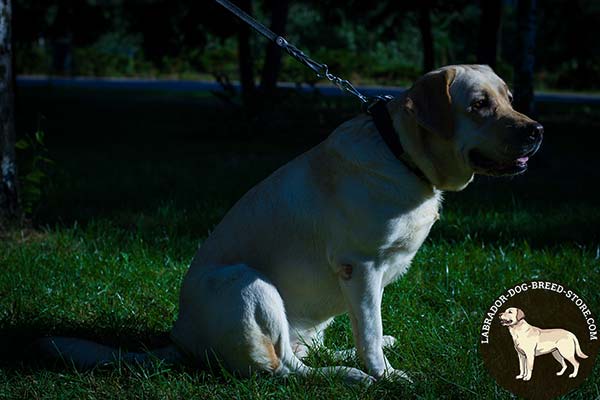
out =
column 531, row 341
column 539, row 340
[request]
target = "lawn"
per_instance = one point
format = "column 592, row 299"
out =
column 141, row 178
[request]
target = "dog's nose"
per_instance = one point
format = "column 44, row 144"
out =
column 536, row 132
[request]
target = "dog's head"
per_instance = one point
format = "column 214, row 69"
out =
column 511, row 316
column 460, row 122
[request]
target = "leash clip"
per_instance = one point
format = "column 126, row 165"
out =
column 281, row 42
column 375, row 101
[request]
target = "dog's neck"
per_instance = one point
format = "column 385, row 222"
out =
column 350, row 141
column 381, row 114
column 419, row 151
column 519, row 327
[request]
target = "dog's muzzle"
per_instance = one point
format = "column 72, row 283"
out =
column 530, row 142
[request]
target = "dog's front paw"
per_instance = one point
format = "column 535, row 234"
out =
column 519, row 377
column 527, row 377
column 388, row 341
column 355, row 376
column 396, row 374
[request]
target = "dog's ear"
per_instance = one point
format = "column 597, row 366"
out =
column 520, row 314
column 482, row 67
column 429, row 101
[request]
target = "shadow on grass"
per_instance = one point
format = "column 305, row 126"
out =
column 19, row 349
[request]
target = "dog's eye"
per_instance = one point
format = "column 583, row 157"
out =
column 510, row 312
column 479, row 104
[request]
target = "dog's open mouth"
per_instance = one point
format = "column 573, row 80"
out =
column 486, row 166
column 504, row 322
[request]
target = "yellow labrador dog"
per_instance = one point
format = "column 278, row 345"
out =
column 531, row 341
column 327, row 232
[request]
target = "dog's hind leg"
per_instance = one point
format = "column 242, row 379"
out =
column 271, row 319
column 566, row 347
column 556, row 354
column 571, row 358
column 237, row 314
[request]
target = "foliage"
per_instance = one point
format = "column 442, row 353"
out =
column 33, row 59
column 373, row 44
column 220, row 56
column 33, row 171
column 113, row 54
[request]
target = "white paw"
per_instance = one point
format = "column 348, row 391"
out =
column 519, row 377
column 388, row 341
column 527, row 377
column 355, row 376
column 573, row 375
column 396, row 374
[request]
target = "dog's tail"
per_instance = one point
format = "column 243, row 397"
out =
column 580, row 353
column 85, row 354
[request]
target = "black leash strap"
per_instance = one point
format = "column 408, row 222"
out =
column 321, row 70
column 374, row 106
column 243, row 15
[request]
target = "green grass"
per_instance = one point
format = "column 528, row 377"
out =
column 141, row 179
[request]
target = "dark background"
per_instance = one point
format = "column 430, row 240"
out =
column 388, row 42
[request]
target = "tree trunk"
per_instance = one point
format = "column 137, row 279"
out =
column 279, row 15
column 9, row 198
column 426, row 35
column 525, row 57
column 245, row 60
column 489, row 28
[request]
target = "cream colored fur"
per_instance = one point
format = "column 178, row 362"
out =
column 531, row 341
column 327, row 232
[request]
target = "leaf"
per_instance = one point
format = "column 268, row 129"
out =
column 22, row 144
column 46, row 160
column 32, row 192
column 39, row 136
column 35, row 176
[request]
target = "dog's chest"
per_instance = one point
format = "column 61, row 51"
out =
column 405, row 235
column 391, row 232
column 407, row 232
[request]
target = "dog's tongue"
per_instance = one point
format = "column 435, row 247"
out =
column 522, row 160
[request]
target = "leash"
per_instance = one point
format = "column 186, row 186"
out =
column 321, row 70
column 375, row 106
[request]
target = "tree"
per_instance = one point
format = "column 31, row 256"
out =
column 426, row 35
column 279, row 15
column 9, row 195
column 245, row 59
column 525, row 57
column 489, row 28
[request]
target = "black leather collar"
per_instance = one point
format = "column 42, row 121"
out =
column 383, row 122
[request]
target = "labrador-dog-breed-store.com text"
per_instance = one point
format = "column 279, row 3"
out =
column 327, row 232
